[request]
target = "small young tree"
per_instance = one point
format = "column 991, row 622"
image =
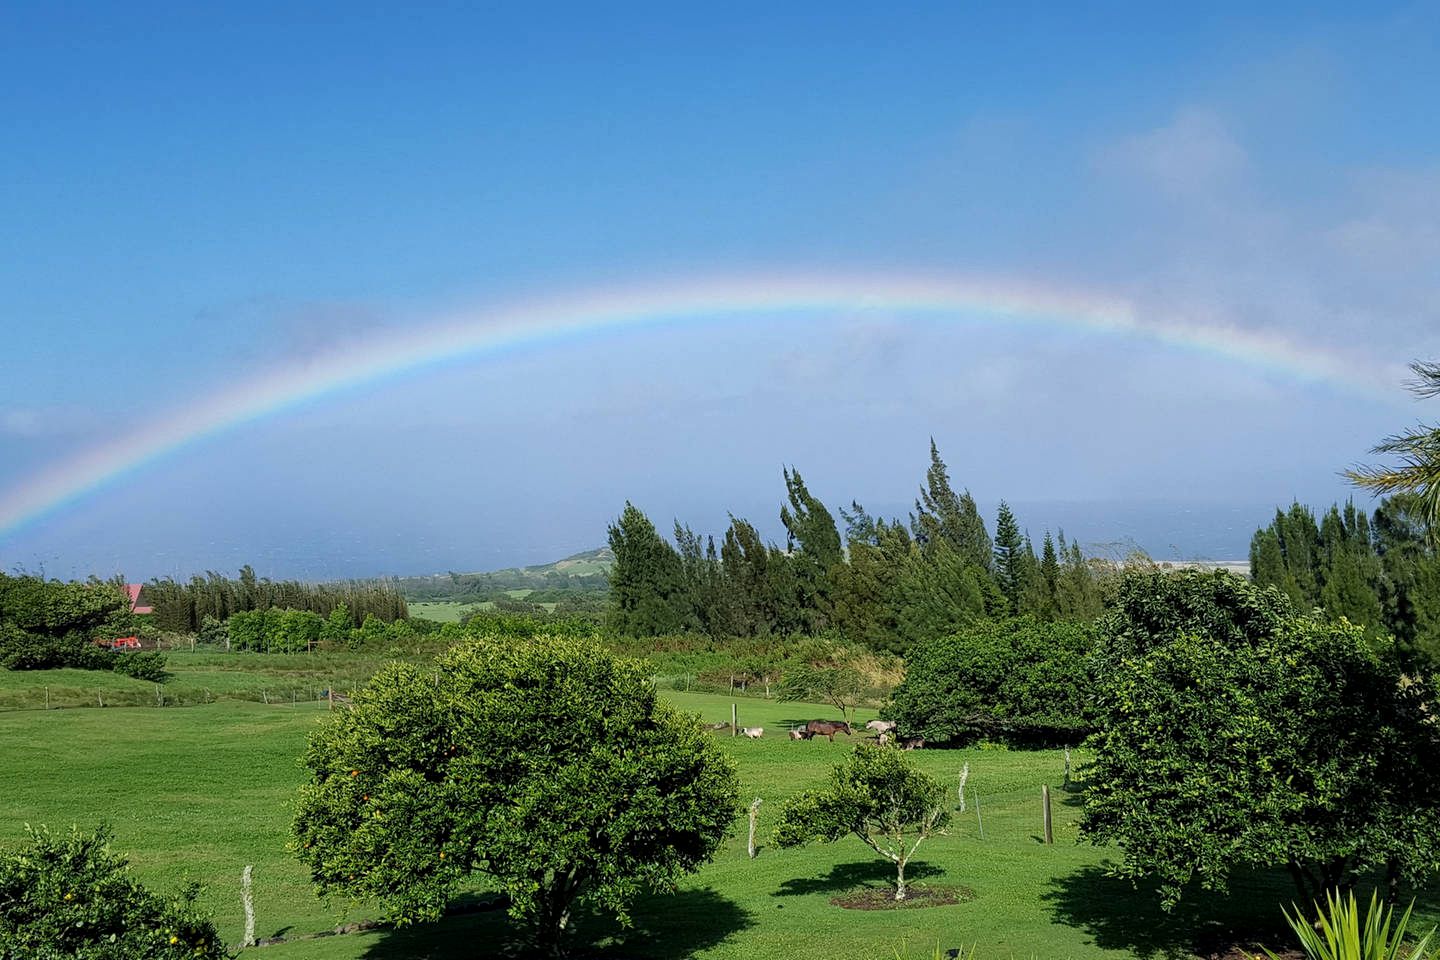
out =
column 69, row 897
column 877, row 796
column 547, row 763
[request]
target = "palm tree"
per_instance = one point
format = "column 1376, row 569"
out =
column 1419, row 451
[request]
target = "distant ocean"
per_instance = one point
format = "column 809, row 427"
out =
column 1165, row 531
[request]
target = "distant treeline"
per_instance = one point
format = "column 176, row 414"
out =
column 183, row 607
column 549, row 586
column 885, row 584
column 1379, row 572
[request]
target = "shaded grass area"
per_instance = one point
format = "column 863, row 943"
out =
column 201, row 792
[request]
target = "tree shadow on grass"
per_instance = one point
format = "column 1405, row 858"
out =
column 1121, row 916
column 848, row 876
column 673, row 925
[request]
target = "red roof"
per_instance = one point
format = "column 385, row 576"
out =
column 133, row 589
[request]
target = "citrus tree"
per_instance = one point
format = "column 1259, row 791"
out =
column 545, row 763
column 1232, row 732
column 69, row 897
column 876, row 796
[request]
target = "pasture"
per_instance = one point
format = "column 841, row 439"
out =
column 199, row 792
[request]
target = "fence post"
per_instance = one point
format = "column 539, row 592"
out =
column 754, row 812
column 1045, row 803
column 734, row 720
column 248, row 902
column 979, row 819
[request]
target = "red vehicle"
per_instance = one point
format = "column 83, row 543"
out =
column 120, row 643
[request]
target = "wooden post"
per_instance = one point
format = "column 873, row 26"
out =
column 331, row 695
column 248, row 902
column 734, row 720
column 1045, row 804
column 754, row 812
column 1066, row 788
column 47, row 696
column 978, row 819
column 159, row 696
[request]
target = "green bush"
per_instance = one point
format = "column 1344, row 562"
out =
column 70, row 898
column 1018, row 680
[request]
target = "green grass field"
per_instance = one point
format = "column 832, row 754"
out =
column 441, row 611
column 202, row 791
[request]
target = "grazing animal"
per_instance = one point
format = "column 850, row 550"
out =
column 881, row 727
column 885, row 738
column 752, row 732
column 801, row 734
column 912, row 743
column 828, row 728
column 717, row 726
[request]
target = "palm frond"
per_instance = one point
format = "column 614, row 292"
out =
column 1427, row 378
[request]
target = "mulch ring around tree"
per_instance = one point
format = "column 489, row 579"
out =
column 883, row 898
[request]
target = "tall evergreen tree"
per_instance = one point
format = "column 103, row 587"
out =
column 813, row 543
column 1010, row 557
column 941, row 514
column 648, row 594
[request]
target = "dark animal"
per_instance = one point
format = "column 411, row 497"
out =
column 912, row 743
column 801, row 734
column 828, row 728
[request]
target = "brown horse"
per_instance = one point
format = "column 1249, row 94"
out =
column 828, row 728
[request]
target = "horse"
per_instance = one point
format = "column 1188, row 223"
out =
column 828, row 728
column 753, row 733
column 801, row 734
column 912, row 743
column 881, row 726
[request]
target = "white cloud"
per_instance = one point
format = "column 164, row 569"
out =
column 1192, row 154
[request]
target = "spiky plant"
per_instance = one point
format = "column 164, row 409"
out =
column 1418, row 450
column 1340, row 933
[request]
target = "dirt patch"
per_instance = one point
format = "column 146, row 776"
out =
column 883, row 898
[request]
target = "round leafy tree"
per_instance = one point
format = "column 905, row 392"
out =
column 1020, row 680
column 1232, row 733
column 876, row 796
column 546, row 763
column 70, row 898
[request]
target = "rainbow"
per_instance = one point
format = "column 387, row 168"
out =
column 536, row 323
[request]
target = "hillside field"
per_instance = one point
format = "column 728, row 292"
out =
column 201, row 791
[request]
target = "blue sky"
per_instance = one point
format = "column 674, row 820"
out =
column 195, row 194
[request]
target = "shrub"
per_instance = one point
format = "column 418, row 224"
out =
column 70, row 897
column 1017, row 680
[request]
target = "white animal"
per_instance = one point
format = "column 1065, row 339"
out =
column 881, row 726
column 752, row 732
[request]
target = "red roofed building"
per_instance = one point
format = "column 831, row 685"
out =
column 133, row 589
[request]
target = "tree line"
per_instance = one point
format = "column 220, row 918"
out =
column 183, row 607
column 884, row 583
column 1379, row 572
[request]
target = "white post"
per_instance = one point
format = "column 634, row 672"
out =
column 964, row 775
column 248, row 902
column 754, row 813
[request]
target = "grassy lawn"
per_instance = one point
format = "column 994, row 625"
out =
column 441, row 611
column 200, row 792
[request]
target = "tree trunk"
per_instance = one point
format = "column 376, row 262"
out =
column 1392, row 882
column 899, row 879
